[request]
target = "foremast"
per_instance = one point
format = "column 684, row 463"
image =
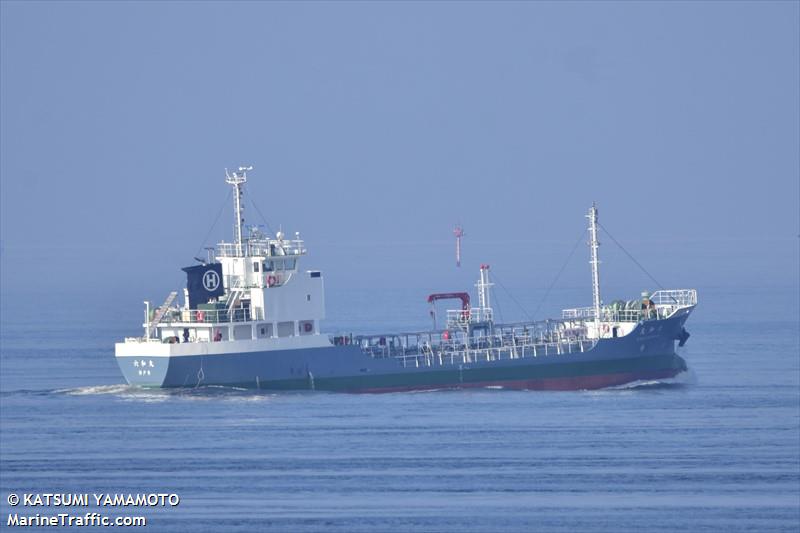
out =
column 595, row 262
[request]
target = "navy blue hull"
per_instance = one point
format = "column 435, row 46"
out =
column 646, row 353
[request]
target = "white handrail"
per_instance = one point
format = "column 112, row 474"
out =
column 676, row 297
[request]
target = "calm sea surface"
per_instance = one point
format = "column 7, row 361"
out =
column 716, row 450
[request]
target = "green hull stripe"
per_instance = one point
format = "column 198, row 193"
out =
column 454, row 377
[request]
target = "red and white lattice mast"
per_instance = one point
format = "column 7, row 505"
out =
column 458, row 232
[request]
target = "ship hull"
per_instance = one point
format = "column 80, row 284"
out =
column 570, row 378
column 647, row 353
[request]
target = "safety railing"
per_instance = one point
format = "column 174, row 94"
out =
column 614, row 314
column 578, row 312
column 461, row 318
column 457, row 353
column 262, row 248
column 153, row 340
column 668, row 302
column 676, row 297
column 664, row 303
column 210, row 316
column 439, row 348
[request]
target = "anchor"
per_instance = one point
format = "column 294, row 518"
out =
column 682, row 337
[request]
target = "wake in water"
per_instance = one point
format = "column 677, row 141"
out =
column 684, row 379
column 125, row 392
column 95, row 390
column 139, row 394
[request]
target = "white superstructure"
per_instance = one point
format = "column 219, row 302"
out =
column 269, row 302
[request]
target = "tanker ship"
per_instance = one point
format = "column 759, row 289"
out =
column 250, row 317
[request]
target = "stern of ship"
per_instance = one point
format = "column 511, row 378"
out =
column 143, row 363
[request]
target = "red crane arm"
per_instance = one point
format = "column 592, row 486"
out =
column 463, row 296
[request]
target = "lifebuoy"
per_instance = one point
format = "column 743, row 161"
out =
column 272, row 281
column 605, row 328
column 446, row 335
column 307, row 327
column 201, row 316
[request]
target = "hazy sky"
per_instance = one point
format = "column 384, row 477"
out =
column 375, row 127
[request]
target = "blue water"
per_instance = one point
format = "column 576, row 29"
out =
column 716, row 450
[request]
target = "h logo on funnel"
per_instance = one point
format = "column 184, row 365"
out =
column 210, row 280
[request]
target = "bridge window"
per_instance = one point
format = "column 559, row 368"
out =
column 241, row 333
column 264, row 330
column 285, row 329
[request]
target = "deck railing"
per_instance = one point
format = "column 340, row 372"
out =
column 210, row 316
column 676, row 297
column 666, row 302
column 461, row 318
column 262, row 248
column 578, row 312
column 437, row 348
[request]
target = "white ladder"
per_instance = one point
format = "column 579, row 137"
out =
column 163, row 309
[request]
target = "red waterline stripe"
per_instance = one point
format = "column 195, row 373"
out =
column 568, row 383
